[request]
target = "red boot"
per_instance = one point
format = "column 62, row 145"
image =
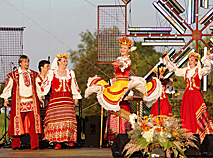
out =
column 58, row 146
column 70, row 144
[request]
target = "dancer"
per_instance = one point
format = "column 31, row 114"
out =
column 25, row 111
column 110, row 96
column 116, row 125
column 43, row 67
column 165, row 108
column 60, row 120
column 194, row 114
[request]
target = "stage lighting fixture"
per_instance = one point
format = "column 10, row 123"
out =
column 171, row 13
column 181, row 55
column 205, row 77
column 163, row 12
column 191, row 11
column 177, row 6
column 204, row 4
column 161, row 39
column 150, row 29
column 147, row 30
column 179, row 64
column 172, row 6
column 163, row 43
column 207, row 16
column 210, row 42
column 170, row 54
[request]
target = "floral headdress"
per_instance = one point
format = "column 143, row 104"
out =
column 65, row 55
column 194, row 55
column 161, row 70
column 125, row 41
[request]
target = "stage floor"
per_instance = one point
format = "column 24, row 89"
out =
column 84, row 152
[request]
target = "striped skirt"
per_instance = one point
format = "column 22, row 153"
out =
column 60, row 120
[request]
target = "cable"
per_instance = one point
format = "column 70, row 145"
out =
column 103, row 11
column 55, row 37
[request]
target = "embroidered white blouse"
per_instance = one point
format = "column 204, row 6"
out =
column 206, row 60
column 70, row 75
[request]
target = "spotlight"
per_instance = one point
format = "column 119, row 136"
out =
column 172, row 6
column 181, row 55
column 210, row 42
column 211, row 28
column 207, row 16
column 163, row 43
column 204, row 4
column 191, row 11
column 177, row 6
column 163, row 12
column 171, row 13
column 147, row 30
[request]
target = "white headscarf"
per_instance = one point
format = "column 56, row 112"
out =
column 54, row 64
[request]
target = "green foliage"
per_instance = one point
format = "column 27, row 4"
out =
column 85, row 66
column 143, row 59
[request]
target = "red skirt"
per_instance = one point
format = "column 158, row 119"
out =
column 116, row 125
column 194, row 114
column 60, row 120
column 165, row 108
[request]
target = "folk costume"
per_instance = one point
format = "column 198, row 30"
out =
column 194, row 114
column 60, row 123
column 25, row 111
column 116, row 125
column 165, row 107
column 110, row 96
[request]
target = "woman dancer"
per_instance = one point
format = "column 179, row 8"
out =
column 110, row 96
column 60, row 120
column 194, row 114
column 116, row 125
column 165, row 108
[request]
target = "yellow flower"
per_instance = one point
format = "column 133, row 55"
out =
column 174, row 133
column 145, row 117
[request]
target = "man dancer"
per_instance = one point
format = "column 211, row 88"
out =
column 43, row 67
column 25, row 112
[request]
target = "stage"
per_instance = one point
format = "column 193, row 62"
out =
column 83, row 152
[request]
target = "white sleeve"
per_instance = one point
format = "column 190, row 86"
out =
column 126, row 64
column 75, row 90
column 46, row 84
column 38, row 88
column 173, row 68
column 206, row 60
column 7, row 89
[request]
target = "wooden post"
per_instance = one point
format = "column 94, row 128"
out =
column 137, row 110
column 102, row 115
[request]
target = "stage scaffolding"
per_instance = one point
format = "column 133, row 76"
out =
column 11, row 48
column 111, row 26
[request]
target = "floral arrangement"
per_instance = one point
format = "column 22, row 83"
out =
column 159, row 132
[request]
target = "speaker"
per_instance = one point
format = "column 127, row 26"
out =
column 117, row 147
column 193, row 151
column 92, row 130
column 207, row 145
column 80, row 130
